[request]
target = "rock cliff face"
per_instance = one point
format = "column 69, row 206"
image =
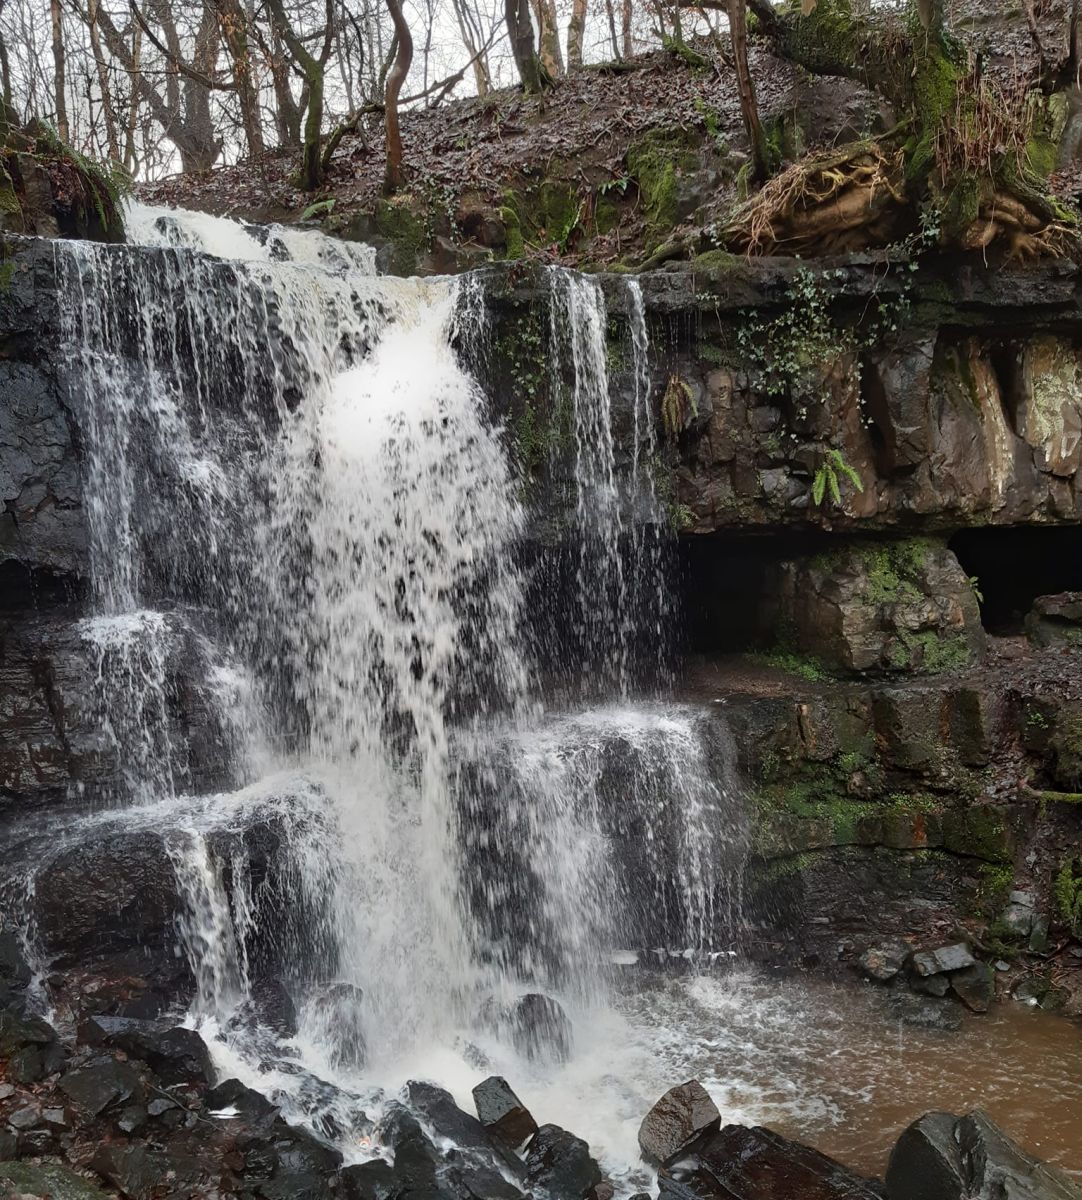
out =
column 864, row 467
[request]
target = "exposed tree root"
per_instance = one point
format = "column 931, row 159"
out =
column 846, row 199
column 856, row 198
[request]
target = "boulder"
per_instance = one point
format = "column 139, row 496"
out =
column 336, row 1017
column 18, row 1032
column 485, row 1160
column 539, row 1028
column 373, row 1180
column 232, row 1094
column 502, row 1113
column 102, row 1083
column 127, row 897
column 177, row 1055
column 955, row 957
column 741, row 1163
column 1056, row 620
column 943, row 1157
column 870, row 607
column 559, row 1163
column 882, row 963
column 683, row 1115
column 975, row 986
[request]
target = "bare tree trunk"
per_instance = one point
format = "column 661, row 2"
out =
column 549, row 37
column 395, row 170
column 234, row 27
column 135, row 61
column 745, row 86
column 610, row 13
column 313, row 69
column 107, row 109
column 625, row 29
column 520, row 31
column 59, row 80
column 575, row 29
column 470, row 38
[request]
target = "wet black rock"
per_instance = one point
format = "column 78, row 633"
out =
column 539, row 1028
column 338, row 1008
column 17, row 1031
column 741, row 1163
column 955, row 957
column 25, row 1065
column 931, row 985
column 559, row 1163
column 127, row 897
column 975, row 986
column 270, row 1004
column 232, row 1094
column 683, row 1115
column 502, row 1113
column 177, row 1055
column 14, row 969
column 479, row 1164
column 943, row 1157
column 102, row 1083
column 375, row 1180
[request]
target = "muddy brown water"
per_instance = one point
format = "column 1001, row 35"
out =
column 832, row 1065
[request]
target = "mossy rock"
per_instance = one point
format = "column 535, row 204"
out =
column 48, row 1179
column 656, row 162
column 403, row 221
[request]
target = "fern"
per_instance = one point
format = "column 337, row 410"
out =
column 321, row 208
column 677, row 404
column 828, row 477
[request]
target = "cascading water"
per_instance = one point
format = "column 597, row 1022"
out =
column 433, row 844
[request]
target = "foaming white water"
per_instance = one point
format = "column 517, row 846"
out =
column 158, row 226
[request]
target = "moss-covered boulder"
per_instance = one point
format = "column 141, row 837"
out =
column 869, row 607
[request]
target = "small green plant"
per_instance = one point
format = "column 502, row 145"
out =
column 828, row 478
column 974, row 584
column 321, row 208
column 1068, row 890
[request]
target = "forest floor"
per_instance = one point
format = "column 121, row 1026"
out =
column 612, row 163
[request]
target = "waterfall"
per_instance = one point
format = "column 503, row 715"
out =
column 295, row 486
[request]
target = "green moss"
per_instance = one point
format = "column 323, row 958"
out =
column 995, row 886
column 802, row 665
column 717, row 262
column 934, row 86
column 557, row 210
column 1068, row 893
column 654, row 162
column 606, row 215
column 515, row 245
column 979, row 831
column 400, row 220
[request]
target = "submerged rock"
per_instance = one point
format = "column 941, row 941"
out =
column 741, row 1163
column 943, row 1157
column 559, row 1163
column 502, row 1113
column 683, row 1115
column 337, row 1012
